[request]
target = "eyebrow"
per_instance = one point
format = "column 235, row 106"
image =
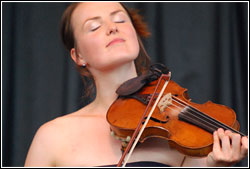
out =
column 98, row 17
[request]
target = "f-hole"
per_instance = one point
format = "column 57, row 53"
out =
column 157, row 120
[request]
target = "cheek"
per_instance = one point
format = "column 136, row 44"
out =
column 134, row 44
column 90, row 48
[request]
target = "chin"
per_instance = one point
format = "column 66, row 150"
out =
column 119, row 56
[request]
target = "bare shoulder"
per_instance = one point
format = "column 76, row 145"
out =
column 41, row 151
column 52, row 129
column 64, row 123
column 58, row 127
column 51, row 137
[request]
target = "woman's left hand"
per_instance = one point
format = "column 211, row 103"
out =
column 228, row 148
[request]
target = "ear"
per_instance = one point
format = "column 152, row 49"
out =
column 78, row 59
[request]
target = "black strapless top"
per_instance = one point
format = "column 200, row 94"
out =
column 140, row 164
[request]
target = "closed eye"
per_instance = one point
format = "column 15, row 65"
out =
column 120, row 18
column 94, row 25
column 121, row 21
column 94, row 29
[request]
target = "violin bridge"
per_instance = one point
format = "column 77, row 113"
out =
column 165, row 101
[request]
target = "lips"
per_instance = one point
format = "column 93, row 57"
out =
column 114, row 41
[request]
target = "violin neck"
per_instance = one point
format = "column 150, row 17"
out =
column 195, row 117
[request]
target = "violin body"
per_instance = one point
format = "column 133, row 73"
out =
column 170, row 120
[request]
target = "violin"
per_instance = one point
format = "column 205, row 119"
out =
column 186, row 125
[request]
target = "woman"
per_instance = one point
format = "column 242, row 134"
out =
column 104, row 41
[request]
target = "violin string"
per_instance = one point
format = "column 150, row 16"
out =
column 207, row 123
column 209, row 119
column 202, row 114
column 217, row 123
column 194, row 117
column 196, row 121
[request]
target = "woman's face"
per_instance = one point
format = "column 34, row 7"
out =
column 104, row 35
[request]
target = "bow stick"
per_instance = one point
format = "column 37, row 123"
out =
column 138, row 132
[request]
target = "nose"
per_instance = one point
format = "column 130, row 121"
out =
column 112, row 29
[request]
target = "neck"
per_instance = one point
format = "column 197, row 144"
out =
column 108, row 82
